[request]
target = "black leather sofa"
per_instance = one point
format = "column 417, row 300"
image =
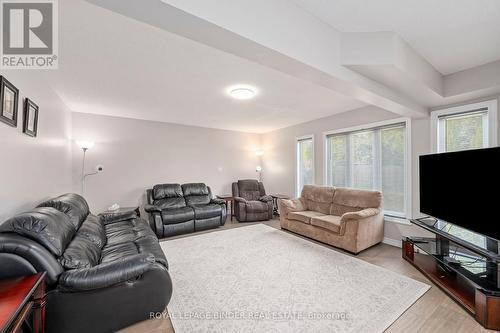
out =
column 103, row 273
column 174, row 209
column 251, row 202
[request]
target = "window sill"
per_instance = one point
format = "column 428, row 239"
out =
column 399, row 220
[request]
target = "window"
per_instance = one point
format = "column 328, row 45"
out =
column 465, row 127
column 305, row 162
column 470, row 126
column 373, row 158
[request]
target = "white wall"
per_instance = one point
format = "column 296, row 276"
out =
column 137, row 154
column 34, row 169
column 279, row 159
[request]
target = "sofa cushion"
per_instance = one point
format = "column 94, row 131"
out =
column 148, row 245
column 256, row 207
column 196, row 194
column 163, row 191
column 80, row 253
column 93, row 230
column 71, row 204
column 112, row 252
column 318, row 198
column 249, row 189
column 175, row 229
column 177, row 215
column 194, row 200
column 170, row 203
column 207, row 211
column 45, row 225
column 127, row 231
column 304, row 217
column 194, row 189
column 347, row 200
column 168, row 196
column 131, row 237
column 329, row 222
column 113, row 217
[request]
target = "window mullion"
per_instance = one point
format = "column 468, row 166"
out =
column 377, row 155
column 329, row 161
column 349, row 159
column 486, row 131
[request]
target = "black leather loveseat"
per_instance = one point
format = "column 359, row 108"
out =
column 103, row 273
column 174, row 209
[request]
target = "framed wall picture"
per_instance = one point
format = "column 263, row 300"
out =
column 30, row 121
column 9, row 96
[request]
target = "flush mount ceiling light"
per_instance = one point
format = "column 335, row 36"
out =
column 242, row 92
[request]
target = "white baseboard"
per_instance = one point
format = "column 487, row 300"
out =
column 393, row 242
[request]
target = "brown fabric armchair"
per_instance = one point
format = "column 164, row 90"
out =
column 251, row 202
column 343, row 217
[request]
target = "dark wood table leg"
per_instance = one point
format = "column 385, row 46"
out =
column 39, row 309
column 227, row 206
column 232, row 209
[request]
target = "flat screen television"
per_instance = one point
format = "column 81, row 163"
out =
column 463, row 188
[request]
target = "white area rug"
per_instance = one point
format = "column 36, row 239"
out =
column 261, row 279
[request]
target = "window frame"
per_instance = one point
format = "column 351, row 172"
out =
column 489, row 106
column 492, row 109
column 297, row 143
column 390, row 216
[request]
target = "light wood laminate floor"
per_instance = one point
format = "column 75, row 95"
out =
column 434, row 312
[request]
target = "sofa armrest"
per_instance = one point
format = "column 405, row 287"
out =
column 240, row 199
column 110, row 217
column 108, row 274
column 152, row 208
column 364, row 213
column 287, row 206
column 266, row 198
column 365, row 231
column 292, row 205
column 218, row 201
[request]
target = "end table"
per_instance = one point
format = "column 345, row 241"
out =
column 229, row 199
column 20, row 297
column 276, row 197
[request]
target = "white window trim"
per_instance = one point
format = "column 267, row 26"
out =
column 492, row 106
column 408, row 157
column 297, row 140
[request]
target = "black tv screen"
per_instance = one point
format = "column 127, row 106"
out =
column 463, row 188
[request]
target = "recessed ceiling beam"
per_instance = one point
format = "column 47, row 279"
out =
column 294, row 43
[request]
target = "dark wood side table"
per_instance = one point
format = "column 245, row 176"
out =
column 229, row 199
column 276, row 197
column 18, row 298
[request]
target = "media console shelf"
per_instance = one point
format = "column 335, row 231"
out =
column 467, row 272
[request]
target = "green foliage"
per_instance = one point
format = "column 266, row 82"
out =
column 464, row 132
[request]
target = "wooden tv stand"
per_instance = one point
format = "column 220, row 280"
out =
column 469, row 274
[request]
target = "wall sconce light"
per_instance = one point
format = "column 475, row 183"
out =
column 86, row 145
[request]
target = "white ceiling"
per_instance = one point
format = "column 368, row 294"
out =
column 113, row 65
column 452, row 35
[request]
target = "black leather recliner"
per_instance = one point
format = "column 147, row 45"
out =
column 103, row 273
column 174, row 209
column 251, row 202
